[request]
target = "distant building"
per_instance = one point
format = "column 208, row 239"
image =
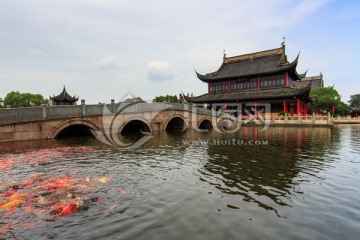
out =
column 355, row 112
column 134, row 100
column 258, row 78
column 315, row 81
column 64, row 98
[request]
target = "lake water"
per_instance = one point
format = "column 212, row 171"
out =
column 282, row 183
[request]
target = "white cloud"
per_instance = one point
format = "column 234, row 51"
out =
column 160, row 71
column 108, row 61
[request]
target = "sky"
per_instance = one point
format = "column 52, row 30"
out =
column 106, row 49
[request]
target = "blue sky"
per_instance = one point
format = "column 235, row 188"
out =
column 102, row 50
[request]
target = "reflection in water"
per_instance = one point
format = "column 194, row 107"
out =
column 264, row 173
column 298, row 183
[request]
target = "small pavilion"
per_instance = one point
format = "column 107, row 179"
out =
column 64, row 98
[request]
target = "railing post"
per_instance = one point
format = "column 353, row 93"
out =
column 83, row 107
column 299, row 118
column 43, row 110
column 112, row 105
column 329, row 118
column 313, row 118
column 286, row 118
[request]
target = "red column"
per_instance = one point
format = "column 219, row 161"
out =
column 284, row 104
column 333, row 108
column 298, row 107
column 306, row 109
column 286, row 79
column 258, row 83
column 229, row 86
column 208, row 87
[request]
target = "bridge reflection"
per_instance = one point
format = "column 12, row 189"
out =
column 76, row 130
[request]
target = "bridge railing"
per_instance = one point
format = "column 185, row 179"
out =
column 10, row 115
column 19, row 114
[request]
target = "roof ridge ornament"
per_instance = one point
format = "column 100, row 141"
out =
column 283, row 43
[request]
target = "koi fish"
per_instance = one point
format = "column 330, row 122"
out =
column 27, row 184
column 103, row 179
column 11, row 204
column 6, row 195
column 8, row 212
column 121, row 191
column 29, row 225
column 20, row 195
column 69, row 209
column 31, row 201
column 27, row 209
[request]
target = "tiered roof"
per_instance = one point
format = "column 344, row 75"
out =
column 64, row 97
column 254, row 64
column 315, row 81
column 252, row 95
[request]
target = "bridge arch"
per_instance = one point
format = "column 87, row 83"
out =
column 135, row 124
column 83, row 125
column 176, row 122
column 205, row 123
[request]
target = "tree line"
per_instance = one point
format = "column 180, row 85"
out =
column 15, row 99
column 327, row 97
column 324, row 100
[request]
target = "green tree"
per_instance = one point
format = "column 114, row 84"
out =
column 354, row 101
column 167, row 98
column 16, row 99
column 1, row 103
column 325, row 98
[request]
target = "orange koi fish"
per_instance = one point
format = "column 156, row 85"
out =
column 11, row 204
column 103, row 179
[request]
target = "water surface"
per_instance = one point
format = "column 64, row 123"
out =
column 282, row 183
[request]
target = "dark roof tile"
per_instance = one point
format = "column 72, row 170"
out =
column 265, row 62
column 251, row 95
column 64, row 97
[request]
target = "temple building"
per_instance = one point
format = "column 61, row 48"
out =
column 355, row 112
column 255, row 79
column 64, row 98
column 315, row 81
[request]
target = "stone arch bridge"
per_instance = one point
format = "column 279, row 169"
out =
column 59, row 121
